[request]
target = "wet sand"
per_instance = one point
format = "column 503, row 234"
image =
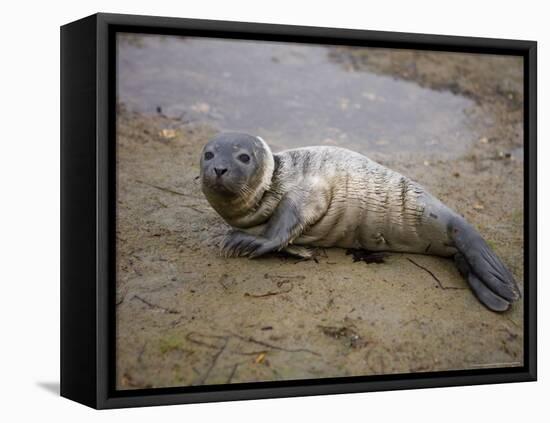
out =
column 186, row 316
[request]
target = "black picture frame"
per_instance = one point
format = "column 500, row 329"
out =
column 88, row 201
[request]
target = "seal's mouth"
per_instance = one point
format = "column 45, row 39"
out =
column 218, row 185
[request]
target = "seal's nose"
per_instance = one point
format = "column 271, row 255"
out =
column 219, row 172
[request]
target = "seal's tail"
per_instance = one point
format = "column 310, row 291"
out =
column 491, row 281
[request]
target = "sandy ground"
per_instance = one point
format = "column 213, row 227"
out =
column 186, row 316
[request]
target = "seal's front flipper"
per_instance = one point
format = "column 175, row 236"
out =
column 488, row 277
column 293, row 214
column 241, row 244
column 285, row 224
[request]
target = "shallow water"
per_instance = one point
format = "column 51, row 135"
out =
column 290, row 94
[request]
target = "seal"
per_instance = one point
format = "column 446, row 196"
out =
column 333, row 197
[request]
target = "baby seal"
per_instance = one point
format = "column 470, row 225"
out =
column 334, row 197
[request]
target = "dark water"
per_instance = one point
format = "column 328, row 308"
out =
column 290, row 94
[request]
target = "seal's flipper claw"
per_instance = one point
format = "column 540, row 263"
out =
column 237, row 244
column 304, row 253
column 476, row 258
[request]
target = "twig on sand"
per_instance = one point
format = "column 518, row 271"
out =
column 140, row 354
column 191, row 337
column 280, row 284
column 274, row 347
column 162, row 188
column 192, row 207
column 254, row 353
column 514, row 323
column 232, row 374
column 272, row 276
column 433, row 276
column 171, row 191
column 223, row 279
column 215, row 358
column 155, row 306
column 220, row 348
column 164, row 206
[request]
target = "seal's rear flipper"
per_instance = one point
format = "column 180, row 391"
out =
column 483, row 294
column 488, row 277
column 486, row 296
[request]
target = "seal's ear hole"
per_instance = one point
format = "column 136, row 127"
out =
column 245, row 158
column 208, row 155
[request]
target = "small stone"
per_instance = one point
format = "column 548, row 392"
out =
column 201, row 107
column 168, row 133
column 344, row 103
column 369, row 96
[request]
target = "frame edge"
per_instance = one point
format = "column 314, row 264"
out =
column 78, row 212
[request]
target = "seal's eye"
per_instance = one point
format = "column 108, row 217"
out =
column 245, row 158
column 208, row 155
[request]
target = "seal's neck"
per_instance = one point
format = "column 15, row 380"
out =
column 242, row 210
column 265, row 180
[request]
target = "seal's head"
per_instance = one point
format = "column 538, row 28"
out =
column 235, row 166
